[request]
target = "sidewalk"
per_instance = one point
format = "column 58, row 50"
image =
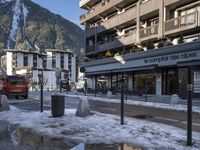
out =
column 150, row 98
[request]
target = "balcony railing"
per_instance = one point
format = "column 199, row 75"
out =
column 182, row 22
column 119, row 41
column 90, row 48
column 149, row 6
column 117, row 20
column 98, row 9
column 83, row 2
column 149, row 31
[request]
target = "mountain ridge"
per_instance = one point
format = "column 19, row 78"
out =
column 24, row 24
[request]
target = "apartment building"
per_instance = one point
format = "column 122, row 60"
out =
column 148, row 43
column 29, row 63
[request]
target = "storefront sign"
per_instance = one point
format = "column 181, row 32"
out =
column 174, row 57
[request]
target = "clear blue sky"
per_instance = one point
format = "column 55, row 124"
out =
column 69, row 9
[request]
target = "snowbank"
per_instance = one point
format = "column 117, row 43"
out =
column 102, row 128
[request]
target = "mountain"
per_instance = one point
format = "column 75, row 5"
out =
column 24, row 24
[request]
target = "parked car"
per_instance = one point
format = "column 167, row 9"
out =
column 15, row 86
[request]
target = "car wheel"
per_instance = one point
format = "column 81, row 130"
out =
column 26, row 96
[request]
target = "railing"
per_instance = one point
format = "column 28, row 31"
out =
column 149, row 31
column 149, row 6
column 90, row 48
column 124, row 17
column 182, row 21
column 83, row 2
column 117, row 42
column 99, row 8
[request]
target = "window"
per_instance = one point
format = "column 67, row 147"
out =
column 53, row 60
column 35, row 60
column 25, row 59
column 62, row 60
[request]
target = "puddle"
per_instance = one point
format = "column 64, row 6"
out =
column 109, row 147
column 13, row 137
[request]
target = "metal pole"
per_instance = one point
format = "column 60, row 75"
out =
column 85, row 87
column 145, row 91
column 189, row 107
column 41, row 94
column 67, row 86
column 122, row 101
column 95, row 91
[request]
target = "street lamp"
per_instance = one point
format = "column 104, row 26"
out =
column 119, row 58
column 66, row 76
column 41, row 76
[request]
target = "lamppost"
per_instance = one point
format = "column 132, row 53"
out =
column 119, row 58
column 189, row 107
column 66, row 76
column 41, row 78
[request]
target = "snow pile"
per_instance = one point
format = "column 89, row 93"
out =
column 102, row 128
column 176, row 107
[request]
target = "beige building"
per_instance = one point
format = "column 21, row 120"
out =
column 153, row 37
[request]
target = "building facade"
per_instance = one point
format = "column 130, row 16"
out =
column 30, row 63
column 143, row 44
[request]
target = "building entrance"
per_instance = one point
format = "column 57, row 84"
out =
column 170, row 81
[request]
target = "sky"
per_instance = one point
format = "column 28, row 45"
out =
column 69, row 9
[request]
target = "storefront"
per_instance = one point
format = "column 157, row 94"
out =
column 161, row 71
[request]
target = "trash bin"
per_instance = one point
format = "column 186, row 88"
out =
column 57, row 105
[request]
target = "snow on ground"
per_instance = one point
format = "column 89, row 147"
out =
column 176, row 107
column 102, row 128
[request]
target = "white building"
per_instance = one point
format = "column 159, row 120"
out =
column 28, row 63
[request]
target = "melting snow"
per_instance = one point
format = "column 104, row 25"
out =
column 102, row 128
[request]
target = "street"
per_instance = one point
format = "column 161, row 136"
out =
column 178, row 119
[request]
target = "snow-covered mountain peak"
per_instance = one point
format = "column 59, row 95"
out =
column 19, row 9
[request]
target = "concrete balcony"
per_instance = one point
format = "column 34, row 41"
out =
column 149, row 6
column 169, row 2
column 118, row 42
column 98, row 9
column 149, row 33
column 85, row 3
column 127, row 16
column 90, row 49
column 182, row 23
column 90, row 31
